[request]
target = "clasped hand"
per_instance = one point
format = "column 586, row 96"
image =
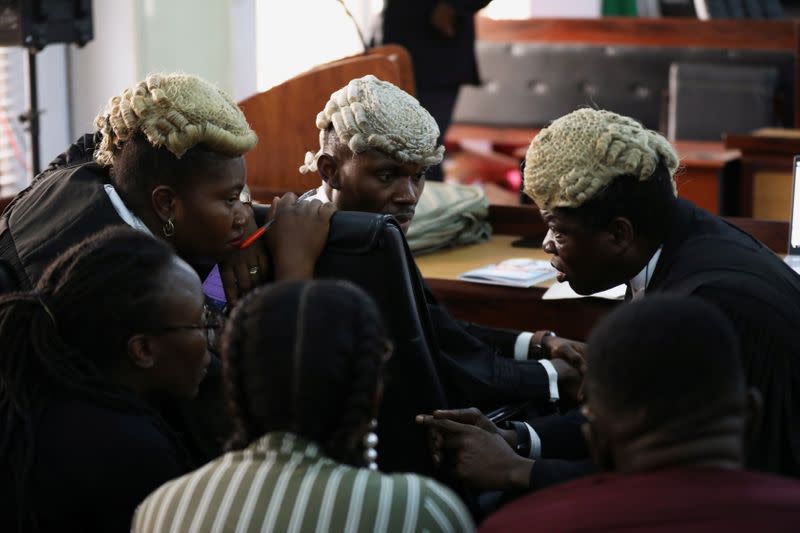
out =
column 294, row 241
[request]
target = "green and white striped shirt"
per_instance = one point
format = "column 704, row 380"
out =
column 284, row 483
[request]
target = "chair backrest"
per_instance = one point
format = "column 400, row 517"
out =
column 528, row 84
column 284, row 118
column 740, row 98
column 393, row 52
column 370, row 251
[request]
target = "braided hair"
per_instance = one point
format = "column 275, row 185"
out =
column 305, row 357
column 62, row 338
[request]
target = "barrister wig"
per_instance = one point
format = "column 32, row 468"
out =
column 369, row 113
column 580, row 154
column 177, row 112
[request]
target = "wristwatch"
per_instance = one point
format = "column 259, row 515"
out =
column 523, row 446
column 538, row 339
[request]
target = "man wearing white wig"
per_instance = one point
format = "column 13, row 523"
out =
column 605, row 186
column 376, row 142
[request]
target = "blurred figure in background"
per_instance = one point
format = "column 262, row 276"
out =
column 440, row 36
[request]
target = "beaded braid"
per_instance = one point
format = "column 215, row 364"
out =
column 365, row 373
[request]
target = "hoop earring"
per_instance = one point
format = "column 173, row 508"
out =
column 370, row 442
column 169, row 228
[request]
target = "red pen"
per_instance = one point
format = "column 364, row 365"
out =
column 257, row 234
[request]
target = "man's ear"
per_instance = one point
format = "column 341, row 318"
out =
column 328, row 168
column 140, row 351
column 621, row 231
column 599, row 447
column 752, row 421
column 163, row 199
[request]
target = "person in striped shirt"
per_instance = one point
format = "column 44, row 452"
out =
column 303, row 364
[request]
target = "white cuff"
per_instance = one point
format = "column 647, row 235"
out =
column 552, row 377
column 536, row 443
column 522, row 346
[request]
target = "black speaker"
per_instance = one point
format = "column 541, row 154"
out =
column 37, row 23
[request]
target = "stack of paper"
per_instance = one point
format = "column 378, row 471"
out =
column 520, row 272
column 562, row 291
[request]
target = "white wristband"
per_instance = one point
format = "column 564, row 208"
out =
column 522, row 346
column 552, row 377
column 536, row 443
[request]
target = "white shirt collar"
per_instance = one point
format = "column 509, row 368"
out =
column 123, row 211
column 641, row 280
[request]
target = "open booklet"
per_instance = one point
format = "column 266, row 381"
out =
column 563, row 291
column 518, row 272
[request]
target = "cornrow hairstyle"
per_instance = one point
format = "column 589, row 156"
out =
column 61, row 339
column 305, row 357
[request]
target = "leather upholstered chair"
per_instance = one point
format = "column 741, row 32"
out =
column 370, row 251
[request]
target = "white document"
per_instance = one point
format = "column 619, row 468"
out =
column 793, row 261
column 562, row 291
column 518, row 272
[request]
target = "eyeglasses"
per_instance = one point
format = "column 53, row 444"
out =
column 211, row 328
column 208, row 327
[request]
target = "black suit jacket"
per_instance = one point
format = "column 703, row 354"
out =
column 65, row 204
column 477, row 364
column 706, row 257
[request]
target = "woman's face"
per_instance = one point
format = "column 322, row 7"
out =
column 180, row 346
column 210, row 218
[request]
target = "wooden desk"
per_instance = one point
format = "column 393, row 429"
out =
column 511, row 307
column 508, row 307
column 766, row 185
column 704, row 164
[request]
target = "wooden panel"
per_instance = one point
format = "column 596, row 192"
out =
column 773, row 233
column 772, row 195
column 284, row 117
column 405, row 68
column 509, row 307
column 393, row 52
column 765, row 155
column 751, row 34
column 522, row 220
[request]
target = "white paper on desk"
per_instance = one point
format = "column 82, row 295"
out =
column 562, row 291
column 518, row 272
